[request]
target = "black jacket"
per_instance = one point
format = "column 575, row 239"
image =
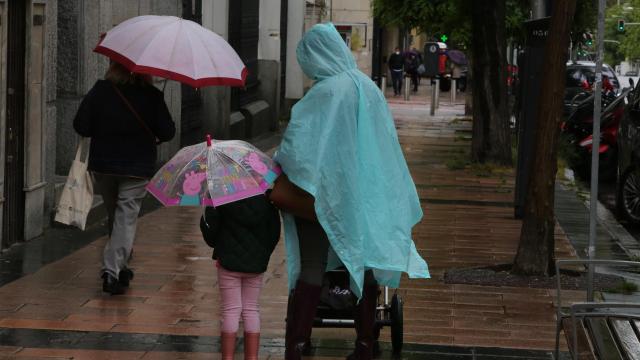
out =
column 396, row 62
column 119, row 143
column 243, row 233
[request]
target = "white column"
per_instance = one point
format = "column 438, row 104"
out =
column 269, row 43
column 215, row 16
column 34, row 177
column 295, row 29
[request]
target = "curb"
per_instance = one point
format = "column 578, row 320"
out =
column 605, row 217
column 626, row 241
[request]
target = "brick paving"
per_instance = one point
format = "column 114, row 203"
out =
column 468, row 222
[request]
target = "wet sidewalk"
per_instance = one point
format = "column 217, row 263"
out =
column 171, row 309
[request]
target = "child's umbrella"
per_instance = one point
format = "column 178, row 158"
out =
column 213, row 173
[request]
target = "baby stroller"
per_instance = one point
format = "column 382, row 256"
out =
column 337, row 304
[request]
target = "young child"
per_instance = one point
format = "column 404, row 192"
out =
column 243, row 234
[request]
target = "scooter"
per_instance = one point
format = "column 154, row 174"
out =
column 577, row 133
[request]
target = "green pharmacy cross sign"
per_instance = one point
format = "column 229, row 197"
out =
column 444, row 38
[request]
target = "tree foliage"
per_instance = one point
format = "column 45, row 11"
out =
column 613, row 49
column 452, row 17
column 618, row 45
column 629, row 44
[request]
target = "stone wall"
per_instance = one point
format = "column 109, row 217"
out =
column 51, row 81
column 80, row 24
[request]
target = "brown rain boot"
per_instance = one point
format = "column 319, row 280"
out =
column 251, row 345
column 227, row 345
column 303, row 302
column 365, row 321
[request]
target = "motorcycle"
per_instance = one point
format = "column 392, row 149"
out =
column 577, row 134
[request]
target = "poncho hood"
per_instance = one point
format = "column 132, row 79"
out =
column 322, row 53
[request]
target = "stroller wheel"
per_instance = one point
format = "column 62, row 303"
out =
column 397, row 322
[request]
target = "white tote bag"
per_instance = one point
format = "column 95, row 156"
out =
column 77, row 196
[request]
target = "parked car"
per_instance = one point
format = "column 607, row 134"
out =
column 628, row 179
column 631, row 73
column 580, row 76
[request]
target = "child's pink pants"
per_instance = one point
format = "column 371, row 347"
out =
column 239, row 293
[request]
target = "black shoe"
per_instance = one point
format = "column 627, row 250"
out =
column 125, row 276
column 111, row 285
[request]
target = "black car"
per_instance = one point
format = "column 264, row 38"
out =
column 576, row 74
column 628, row 180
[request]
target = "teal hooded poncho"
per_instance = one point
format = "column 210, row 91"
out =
column 341, row 147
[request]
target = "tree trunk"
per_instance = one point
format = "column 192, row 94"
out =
column 536, row 249
column 491, row 134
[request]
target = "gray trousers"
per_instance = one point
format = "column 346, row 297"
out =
column 122, row 198
column 314, row 247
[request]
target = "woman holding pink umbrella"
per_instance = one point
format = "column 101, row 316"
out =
column 126, row 117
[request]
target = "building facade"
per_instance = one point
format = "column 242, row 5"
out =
column 27, row 116
column 47, row 64
column 354, row 22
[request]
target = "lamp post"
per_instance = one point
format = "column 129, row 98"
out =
column 595, row 154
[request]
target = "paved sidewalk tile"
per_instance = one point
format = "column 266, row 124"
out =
column 468, row 222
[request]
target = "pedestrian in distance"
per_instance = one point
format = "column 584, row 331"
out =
column 346, row 193
column 396, row 67
column 243, row 234
column 411, row 63
column 126, row 117
column 420, row 69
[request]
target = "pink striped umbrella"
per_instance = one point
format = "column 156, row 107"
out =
column 173, row 48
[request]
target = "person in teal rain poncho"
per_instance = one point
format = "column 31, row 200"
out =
column 346, row 193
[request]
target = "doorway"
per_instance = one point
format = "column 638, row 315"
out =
column 13, row 222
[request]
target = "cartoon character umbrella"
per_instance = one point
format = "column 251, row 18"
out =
column 213, row 173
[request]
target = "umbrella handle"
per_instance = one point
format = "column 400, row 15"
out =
column 208, row 140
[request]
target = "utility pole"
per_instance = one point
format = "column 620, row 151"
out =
column 539, row 9
column 595, row 155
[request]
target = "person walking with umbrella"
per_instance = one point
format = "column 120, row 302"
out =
column 230, row 178
column 346, row 193
column 411, row 63
column 126, row 118
column 243, row 234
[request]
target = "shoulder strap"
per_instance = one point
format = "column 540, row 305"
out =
column 135, row 113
